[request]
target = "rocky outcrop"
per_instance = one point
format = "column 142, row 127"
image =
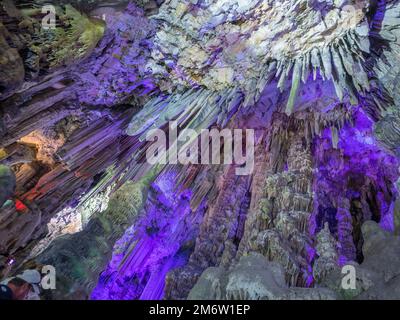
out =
column 80, row 258
column 252, row 278
column 161, row 239
column 248, row 46
column 377, row 276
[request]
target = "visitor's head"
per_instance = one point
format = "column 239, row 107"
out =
column 19, row 287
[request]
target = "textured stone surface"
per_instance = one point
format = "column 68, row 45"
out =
column 7, row 183
column 326, row 249
column 254, row 278
column 250, row 34
column 71, row 253
column 377, row 275
column 316, row 80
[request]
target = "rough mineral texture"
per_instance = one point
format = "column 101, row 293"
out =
column 377, row 275
column 254, row 278
column 314, row 81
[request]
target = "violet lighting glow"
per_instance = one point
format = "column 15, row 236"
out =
column 315, row 80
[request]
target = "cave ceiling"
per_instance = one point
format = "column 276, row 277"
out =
column 315, row 80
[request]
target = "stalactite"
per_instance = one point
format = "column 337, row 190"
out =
column 154, row 246
column 317, row 81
